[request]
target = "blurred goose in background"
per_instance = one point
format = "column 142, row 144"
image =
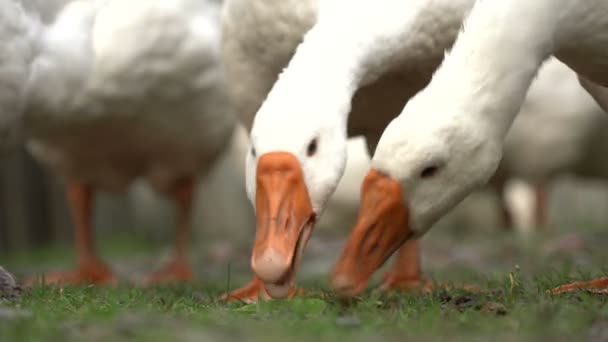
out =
column 561, row 122
column 19, row 36
column 352, row 73
column 449, row 138
column 126, row 89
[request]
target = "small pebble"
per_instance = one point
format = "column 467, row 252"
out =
column 7, row 314
column 9, row 288
column 348, row 321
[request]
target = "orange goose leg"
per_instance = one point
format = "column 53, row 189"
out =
column 90, row 269
column 178, row 269
column 507, row 215
column 406, row 274
column 540, row 207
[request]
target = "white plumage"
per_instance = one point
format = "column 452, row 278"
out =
column 19, row 32
column 259, row 38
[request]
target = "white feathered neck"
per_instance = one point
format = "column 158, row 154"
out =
column 493, row 58
column 496, row 57
column 345, row 51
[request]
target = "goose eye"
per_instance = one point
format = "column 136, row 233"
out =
column 253, row 152
column 312, row 147
column 429, row 171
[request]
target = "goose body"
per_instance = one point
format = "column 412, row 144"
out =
column 19, row 34
column 448, row 140
column 350, row 75
column 129, row 89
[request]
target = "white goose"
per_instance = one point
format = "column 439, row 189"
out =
column 448, row 140
column 351, row 75
column 126, row 89
column 19, row 34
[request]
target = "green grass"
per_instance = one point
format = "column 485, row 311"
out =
column 513, row 306
column 510, row 308
column 121, row 245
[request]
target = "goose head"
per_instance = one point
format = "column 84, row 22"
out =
column 428, row 159
column 293, row 166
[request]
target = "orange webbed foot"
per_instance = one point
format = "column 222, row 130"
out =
column 253, row 292
column 176, row 271
column 598, row 286
column 92, row 273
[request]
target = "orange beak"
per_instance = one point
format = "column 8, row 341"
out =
column 381, row 228
column 285, row 220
